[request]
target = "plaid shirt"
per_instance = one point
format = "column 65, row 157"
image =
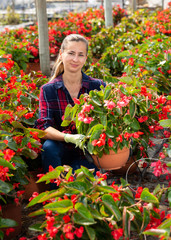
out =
column 54, row 97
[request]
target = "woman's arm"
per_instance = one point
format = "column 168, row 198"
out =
column 53, row 134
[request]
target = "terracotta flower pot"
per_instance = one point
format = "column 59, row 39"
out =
column 112, row 160
column 131, row 164
column 33, row 186
column 11, row 211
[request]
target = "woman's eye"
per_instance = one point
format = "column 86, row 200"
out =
column 71, row 53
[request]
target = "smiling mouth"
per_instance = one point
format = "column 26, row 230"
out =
column 74, row 65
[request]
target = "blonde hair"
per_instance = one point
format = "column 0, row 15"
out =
column 58, row 67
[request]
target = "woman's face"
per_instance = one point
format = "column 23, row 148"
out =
column 74, row 56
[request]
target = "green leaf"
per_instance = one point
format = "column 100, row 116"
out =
column 62, row 206
column 98, row 110
column 83, row 211
column 165, row 123
column 127, row 119
column 26, row 101
column 107, row 92
column 21, row 113
column 109, row 133
column 5, row 163
column 49, row 195
column 123, row 54
column 5, row 187
column 36, row 199
column 90, row 232
column 6, row 223
column 155, row 232
column 50, row 175
column 165, row 224
column 105, row 189
column 95, row 213
column 79, row 219
column 1, row 235
column 169, row 198
column 135, row 124
column 111, row 206
column 169, row 164
column 103, row 119
column 12, row 145
column 146, row 218
column 37, row 213
column 4, row 116
column 126, row 80
column 41, row 133
column 78, row 185
column 146, row 196
column 124, row 91
column 95, row 132
column 88, row 173
column 132, row 109
column 95, row 101
column 17, row 125
column 36, row 227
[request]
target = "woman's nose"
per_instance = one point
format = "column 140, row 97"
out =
column 75, row 58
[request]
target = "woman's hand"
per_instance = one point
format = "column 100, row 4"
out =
column 74, row 138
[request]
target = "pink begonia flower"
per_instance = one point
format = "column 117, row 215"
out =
column 81, row 117
column 161, row 154
column 109, row 104
column 124, row 102
column 87, row 107
column 159, row 168
column 88, row 120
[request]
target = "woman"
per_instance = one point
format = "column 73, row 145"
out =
column 68, row 82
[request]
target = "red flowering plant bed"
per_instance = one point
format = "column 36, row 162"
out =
column 84, row 207
column 23, row 43
column 137, row 46
column 18, row 139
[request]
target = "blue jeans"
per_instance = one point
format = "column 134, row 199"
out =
column 56, row 153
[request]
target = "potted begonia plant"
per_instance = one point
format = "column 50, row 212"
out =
column 122, row 115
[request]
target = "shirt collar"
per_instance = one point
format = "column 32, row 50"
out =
column 58, row 81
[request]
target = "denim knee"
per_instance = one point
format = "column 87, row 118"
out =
column 52, row 153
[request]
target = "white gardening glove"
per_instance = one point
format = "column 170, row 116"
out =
column 74, row 138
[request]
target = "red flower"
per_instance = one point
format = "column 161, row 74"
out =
column 117, row 233
column 9, row 230
column 110, row 142
column 8, row 154
column 131, row 61
column 74, row 198
column 138, row 193
column 76, row 101
column 42, row 237
column 67, row 228
column 71, row 179
column 66, row 218
column 119, row 138
column 69, row 235
column 79, row 232
column 143, row 119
